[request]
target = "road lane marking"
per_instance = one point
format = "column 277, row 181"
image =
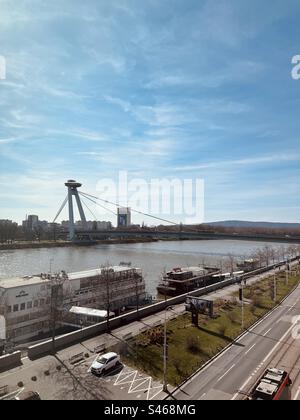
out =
column 250, row 348
column 297, row 394
column 14, row 394
column 278, row 344
column 267, row 332
column 90, row 368
column 265, row 359
column 203, row 395
column 242, row 387
column 221, row 377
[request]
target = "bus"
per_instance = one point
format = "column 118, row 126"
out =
column 275, row 384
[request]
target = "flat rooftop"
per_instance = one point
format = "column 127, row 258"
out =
column 14, row 282
column 22, row 281
column 97, row 272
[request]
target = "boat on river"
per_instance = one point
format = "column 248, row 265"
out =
column 182, row 280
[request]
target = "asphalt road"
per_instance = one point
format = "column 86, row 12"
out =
column 273, row 342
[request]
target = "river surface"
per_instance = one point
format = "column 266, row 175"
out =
column 152, row 257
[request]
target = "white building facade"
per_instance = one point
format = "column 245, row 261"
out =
column 26, row 303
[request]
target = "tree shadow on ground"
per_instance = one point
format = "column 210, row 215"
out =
column 222, row 336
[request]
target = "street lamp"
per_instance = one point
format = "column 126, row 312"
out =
column 275, row 288
column 165, row 382
column 241, row 296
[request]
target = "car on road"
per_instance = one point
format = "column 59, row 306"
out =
column 105, row 362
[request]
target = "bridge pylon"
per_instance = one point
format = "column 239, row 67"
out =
column 72, row 191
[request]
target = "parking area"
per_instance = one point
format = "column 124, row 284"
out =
column 68, row 376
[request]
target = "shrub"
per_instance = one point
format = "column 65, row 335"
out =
column 20, row 384
column 233, row 317
column 222, row 328
column 47, row 372
column 192, row 344
column 34, row 378
column 257, row 301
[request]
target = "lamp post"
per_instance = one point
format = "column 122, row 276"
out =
column 165, row 382
column 241, row 296
column 275, row 288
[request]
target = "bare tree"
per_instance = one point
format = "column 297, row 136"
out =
column 230, row 262
column 58, row 298
column 109, row 276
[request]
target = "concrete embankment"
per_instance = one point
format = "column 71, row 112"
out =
column 62, row 244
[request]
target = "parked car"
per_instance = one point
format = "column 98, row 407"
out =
column 28, row 396
column 105, row 362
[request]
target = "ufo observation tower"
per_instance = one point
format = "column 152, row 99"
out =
column 72, row 191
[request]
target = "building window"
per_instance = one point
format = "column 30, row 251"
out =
column 22, row 307
column 29, row 305
column 43, row 288
column 9, row 309
column 42, row 302
column 36, row 303
column 16, row 308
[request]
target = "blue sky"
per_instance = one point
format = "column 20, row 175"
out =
column 160, row 88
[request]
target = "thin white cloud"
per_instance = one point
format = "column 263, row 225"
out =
column 240, row 162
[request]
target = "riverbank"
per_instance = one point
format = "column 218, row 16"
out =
column 63, row 244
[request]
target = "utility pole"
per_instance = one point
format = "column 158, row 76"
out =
column 54, row 311
column 106, row 274
column 137, row 297
column 241, row 296
column 275, row 288
column 165, row 384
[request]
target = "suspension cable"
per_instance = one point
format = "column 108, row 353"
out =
column 133, row 210
column 98, row 204
column 84, row 203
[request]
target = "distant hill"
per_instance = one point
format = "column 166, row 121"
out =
column 245, row 224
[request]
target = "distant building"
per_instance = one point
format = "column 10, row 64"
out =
column 104, row 225
column 124, row 217
column 6, row 222
column 31, row 222
column 44, row 225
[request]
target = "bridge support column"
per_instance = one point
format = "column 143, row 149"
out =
column 72, row 191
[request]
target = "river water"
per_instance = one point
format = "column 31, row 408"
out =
column 152, row 257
